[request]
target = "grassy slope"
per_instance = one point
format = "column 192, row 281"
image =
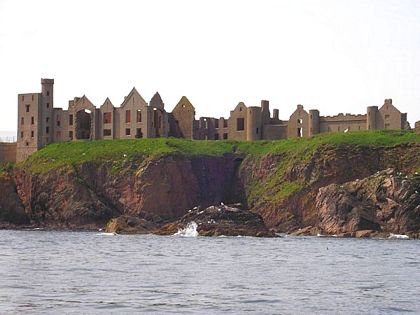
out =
column 119, row 151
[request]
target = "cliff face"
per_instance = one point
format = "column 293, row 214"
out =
column 386, row 201
column 12, row 212
column 287, row 202
column 158, row 190
column 60, row 199
column 289, row 190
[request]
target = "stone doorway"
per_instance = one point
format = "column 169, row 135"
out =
column 84, row 124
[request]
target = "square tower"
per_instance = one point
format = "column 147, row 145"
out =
column 47, row 103
column 35, row 120
column 28, row 140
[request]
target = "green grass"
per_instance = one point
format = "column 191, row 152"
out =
column 299, row 151
column 119, row 151
column 287, row 189
column 73, row 153
column 376, row 138
column 5, row 168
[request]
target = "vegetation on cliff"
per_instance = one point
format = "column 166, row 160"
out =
column 119, row 151
column 86, row 183
column 5, row 168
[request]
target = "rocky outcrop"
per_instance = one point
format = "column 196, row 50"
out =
column 387, row 201
column 264, row 178
column 220, row 220
column 60, row 199
column 129, row 225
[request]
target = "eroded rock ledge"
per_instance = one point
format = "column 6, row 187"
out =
column 221, row 220
column 212, row 221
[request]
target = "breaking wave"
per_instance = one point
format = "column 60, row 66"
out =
column 189, row 231
column 398, row 236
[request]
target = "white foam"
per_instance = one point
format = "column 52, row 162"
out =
column 107, row 234
column 189, row 231
column 398, row 236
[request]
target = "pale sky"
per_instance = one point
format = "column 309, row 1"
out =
column 336, row 56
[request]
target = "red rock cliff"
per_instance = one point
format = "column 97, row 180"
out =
column 289, row 192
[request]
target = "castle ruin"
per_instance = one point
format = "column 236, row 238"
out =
column 40, row 123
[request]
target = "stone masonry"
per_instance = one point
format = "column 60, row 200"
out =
column 40, row 123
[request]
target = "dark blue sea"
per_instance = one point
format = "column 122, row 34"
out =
column 92, row 273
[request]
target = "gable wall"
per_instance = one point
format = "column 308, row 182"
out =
column 239, row 112
column 389, row 117
column 133, row 103
column 106, row 108
column 184, row 116
column 299, row 119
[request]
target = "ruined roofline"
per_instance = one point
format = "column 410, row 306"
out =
column 47, row 81
column 387, row 101
column 24, row 94
column 132, row 92
column 347, row 115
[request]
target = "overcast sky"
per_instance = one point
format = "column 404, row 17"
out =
column 336, row 56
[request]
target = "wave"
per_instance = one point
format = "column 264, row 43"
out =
column 322, row 235
column 398, row 236
column 189, row 231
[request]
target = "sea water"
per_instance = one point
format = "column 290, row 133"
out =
column 92, row 273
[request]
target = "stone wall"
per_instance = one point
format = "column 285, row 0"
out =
column 39, row 123
column 207, row 129
column 298, row 125
column 389, row 117
column 182, row 120
column 275, row 132
column 29, row 124
column 254, row 123
column 8, row 152
column 237, row 123
column 342, row 122
column 417, row 126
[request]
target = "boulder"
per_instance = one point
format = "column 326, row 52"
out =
column 364, row 233
column 307, row 231
column 129, row 225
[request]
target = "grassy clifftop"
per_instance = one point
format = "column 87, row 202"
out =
column 77, row 152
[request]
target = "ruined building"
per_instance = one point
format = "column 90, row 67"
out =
column 40, row 123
